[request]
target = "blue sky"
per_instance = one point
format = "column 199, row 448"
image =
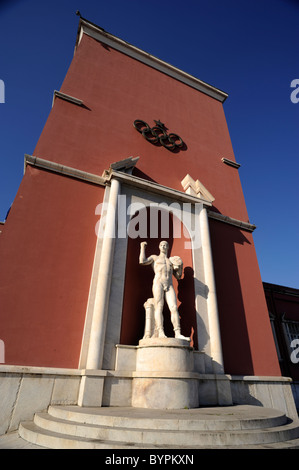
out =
column 249, row 49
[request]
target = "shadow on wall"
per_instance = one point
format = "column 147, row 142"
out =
column 234, row 333
column 241, row 393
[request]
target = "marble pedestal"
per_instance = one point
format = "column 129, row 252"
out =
column 165, row 378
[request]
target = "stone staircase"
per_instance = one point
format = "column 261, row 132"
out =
column 240, row 426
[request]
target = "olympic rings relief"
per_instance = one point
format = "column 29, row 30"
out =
column 157, row 135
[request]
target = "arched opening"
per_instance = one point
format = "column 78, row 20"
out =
column 139, row 278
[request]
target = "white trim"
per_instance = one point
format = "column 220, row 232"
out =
column 231, row 221
column 230, row 163
column 64, row 170
column 64, row 96
column 260, row 378
column 137, row 182
column 157, row 188
column 17, row 369
column 97, row 33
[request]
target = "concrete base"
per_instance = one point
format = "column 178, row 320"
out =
column 165, row 393
column 166, row 364
column 165, row 355
column 165, row 375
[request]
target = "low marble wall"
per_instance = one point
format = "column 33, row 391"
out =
column 270, row 392
column 26, row 390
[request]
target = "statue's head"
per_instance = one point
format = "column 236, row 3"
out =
column 163, row 247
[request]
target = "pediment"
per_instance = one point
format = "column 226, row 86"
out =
column 126, row 166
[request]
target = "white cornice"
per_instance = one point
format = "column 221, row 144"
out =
column 230, row 163
column 64, row 170
column 63, row 96
column 231, row 221
column 94, row 31
column 153, row 187
column 136, row 182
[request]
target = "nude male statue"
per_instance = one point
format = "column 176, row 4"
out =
column 164, row 268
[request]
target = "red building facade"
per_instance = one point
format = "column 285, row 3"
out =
column 51, row 255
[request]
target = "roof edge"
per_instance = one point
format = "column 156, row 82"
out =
column 98, row 33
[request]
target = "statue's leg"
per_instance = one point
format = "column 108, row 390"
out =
column 172, row 305
column 158, row 294
column 174, row 313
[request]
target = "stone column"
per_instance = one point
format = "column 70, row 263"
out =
column 214, row 328
column 92, row 383
column 99, row 320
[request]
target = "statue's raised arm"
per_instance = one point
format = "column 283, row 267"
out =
column 142, row 257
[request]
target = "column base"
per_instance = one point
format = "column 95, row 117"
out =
column 91, row 388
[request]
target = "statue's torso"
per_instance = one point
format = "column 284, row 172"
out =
column 163, row 271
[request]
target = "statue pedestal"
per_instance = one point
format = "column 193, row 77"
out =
column 164, row 355
column 164, row 376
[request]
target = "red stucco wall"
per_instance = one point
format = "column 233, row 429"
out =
column 247, row 340
column 47, row 247
column 46, row 255
column 116, row 90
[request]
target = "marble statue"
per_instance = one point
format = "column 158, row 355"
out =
column 164, row 268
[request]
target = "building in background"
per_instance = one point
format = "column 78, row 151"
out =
column 283, row 307
column 130, row 139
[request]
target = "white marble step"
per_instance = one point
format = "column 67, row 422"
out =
column 200, row 419
column 136, row 428
column 40, row 438
column 29, row 431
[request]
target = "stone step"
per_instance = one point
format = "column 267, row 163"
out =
column 29, row 431
column 39, row 437
column 238, row 427
column 167, row 437
column 199, row 419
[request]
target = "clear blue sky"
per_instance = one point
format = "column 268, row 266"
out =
column 249, row 49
